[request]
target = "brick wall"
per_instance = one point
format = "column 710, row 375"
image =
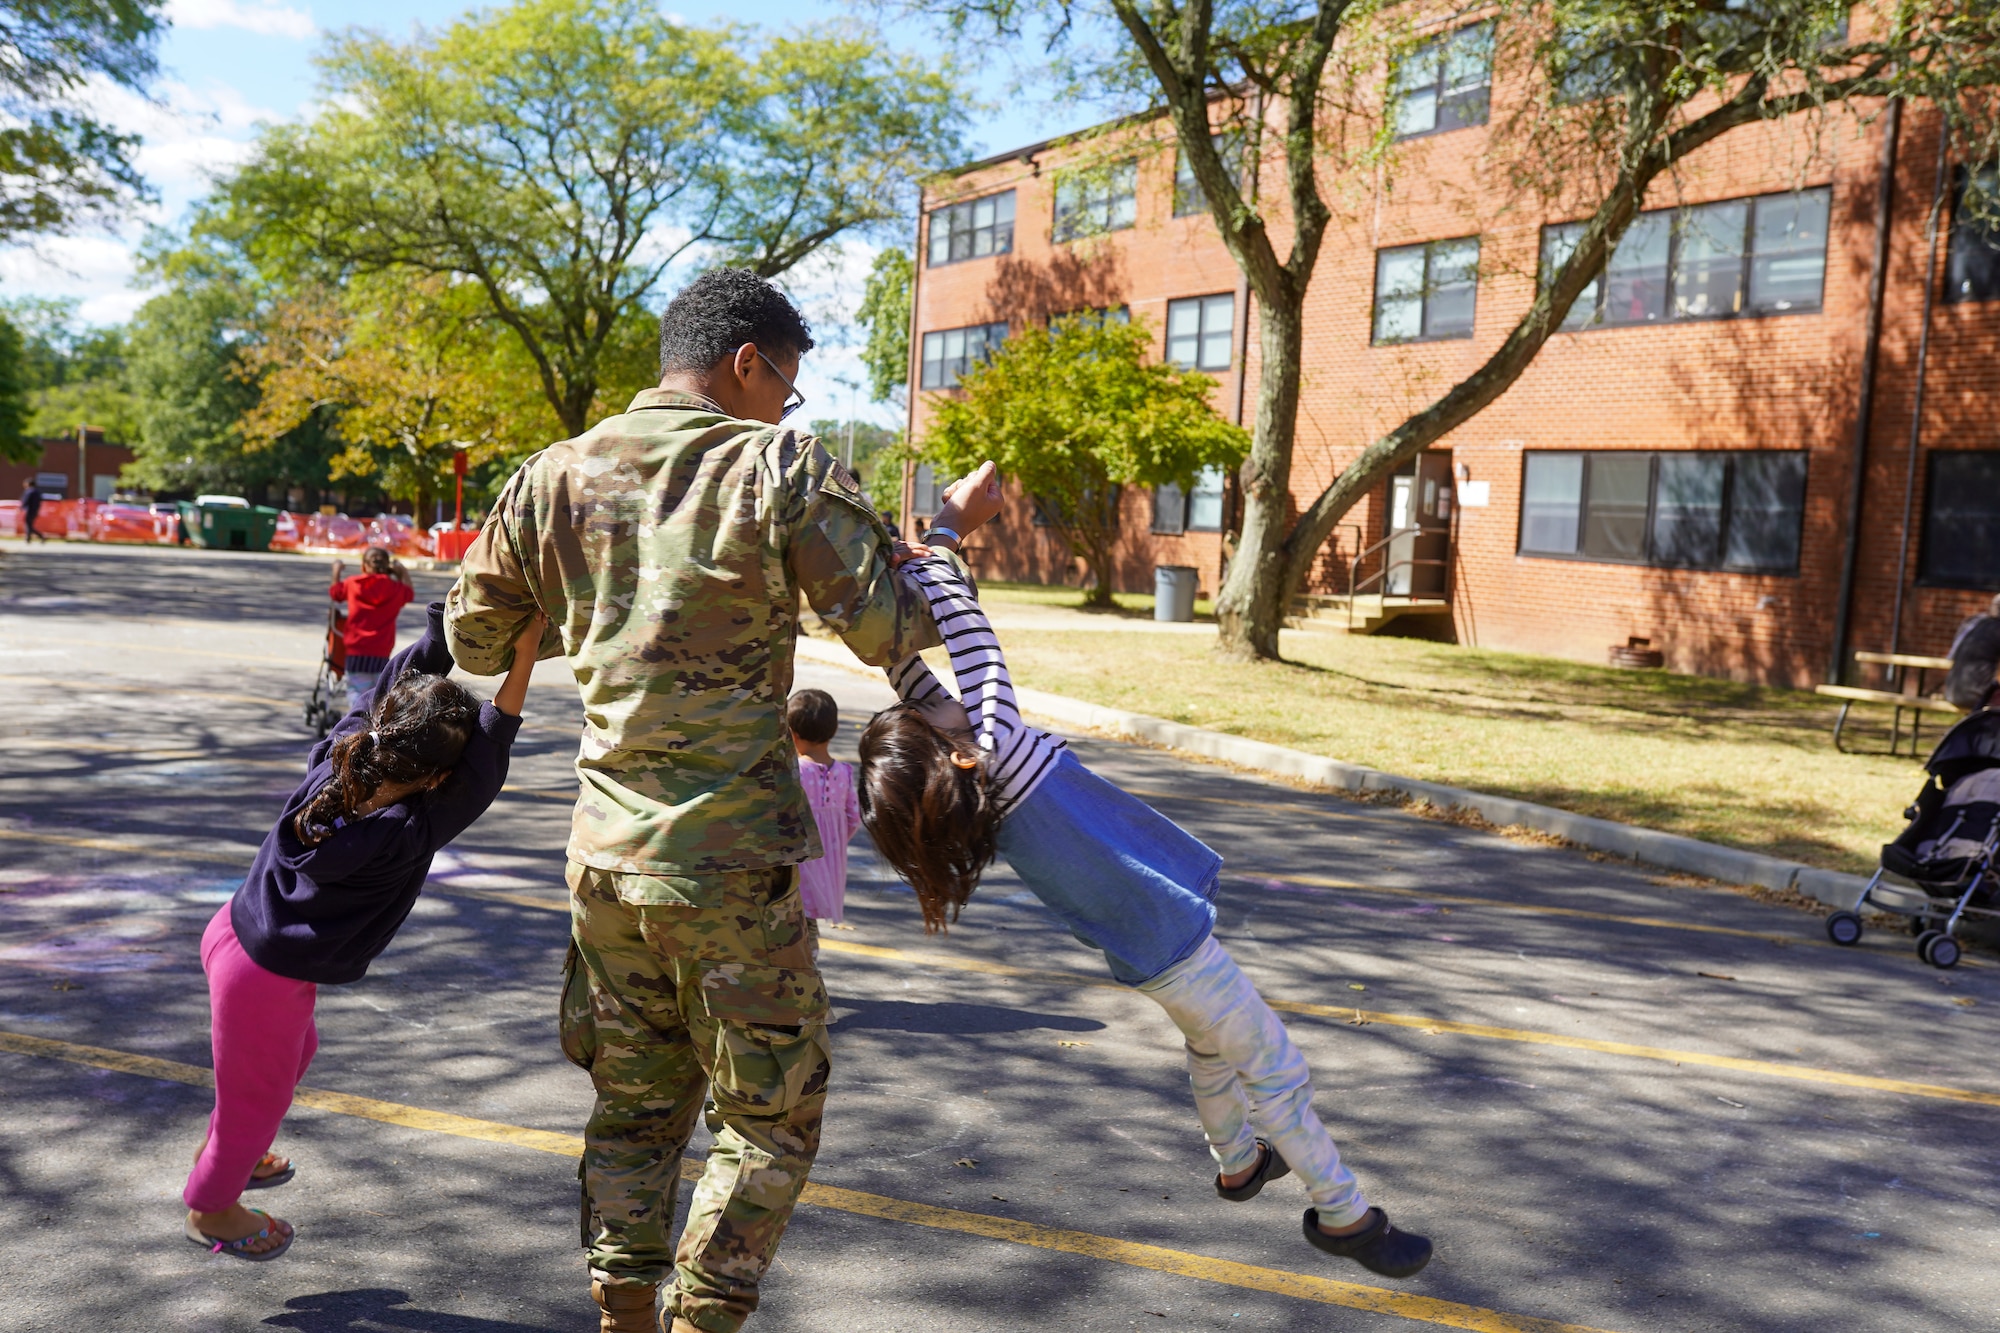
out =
column 1785, row 381
column 100, row 460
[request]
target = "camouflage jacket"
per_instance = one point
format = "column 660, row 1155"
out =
column 668, row 548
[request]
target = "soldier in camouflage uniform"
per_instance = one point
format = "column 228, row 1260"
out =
column 669, row 547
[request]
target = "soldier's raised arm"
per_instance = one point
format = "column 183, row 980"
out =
column 838, row 555
column 494, row 599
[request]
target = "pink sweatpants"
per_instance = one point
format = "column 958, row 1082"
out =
column 263, row 1038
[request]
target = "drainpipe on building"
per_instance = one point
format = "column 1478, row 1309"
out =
column 1917, row 406
column 913, row 369
column 1871, row 347
column 82, row 451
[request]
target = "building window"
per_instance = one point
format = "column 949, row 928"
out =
column 1201, row 331
column 973, row 229
column 926, row 491
column 1762, row 256
column 1961, row 541
column 1204, row 512
column 1444, row 84
column 1972, row 270
column 950, row 353
column 1199, row 510
column 1096, row 200
column 1189, row 197
column 1694, row 510
column 1093, row 316
column 1426, row 291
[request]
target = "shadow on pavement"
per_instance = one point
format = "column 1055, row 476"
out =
column 380, row 1310
column 953, row 1018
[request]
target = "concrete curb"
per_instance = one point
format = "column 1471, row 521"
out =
column 1670, row 851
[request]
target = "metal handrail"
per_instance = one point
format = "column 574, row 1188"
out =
column 1354, row 568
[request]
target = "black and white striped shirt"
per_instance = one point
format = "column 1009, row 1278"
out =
column 1018, row 756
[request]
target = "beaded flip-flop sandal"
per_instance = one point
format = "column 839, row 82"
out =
column 239, row 1249
column 275, row 1179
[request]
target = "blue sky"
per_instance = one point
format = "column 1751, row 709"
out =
column 228, row 65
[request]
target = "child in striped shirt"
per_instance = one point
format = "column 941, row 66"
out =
column 947, row 782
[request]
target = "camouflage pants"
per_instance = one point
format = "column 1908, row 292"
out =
column 663, row 1001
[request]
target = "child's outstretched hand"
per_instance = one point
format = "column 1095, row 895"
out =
column 513, row 691
column 971, row 500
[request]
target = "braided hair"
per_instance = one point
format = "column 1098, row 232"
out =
column 416, row 730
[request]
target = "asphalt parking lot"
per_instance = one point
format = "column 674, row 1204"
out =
column 1616, row 1101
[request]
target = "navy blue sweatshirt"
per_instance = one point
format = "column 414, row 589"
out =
column 322, row 914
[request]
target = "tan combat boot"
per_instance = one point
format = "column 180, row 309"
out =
column 625, row 1307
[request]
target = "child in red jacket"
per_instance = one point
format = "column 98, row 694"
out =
column 374, row 597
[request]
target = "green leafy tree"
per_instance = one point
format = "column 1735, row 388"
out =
column 184, row 366
column 60, row 165
column 15, row 444
column 563, row 154
column 1619, row 93
column 73, row 377
column 1072, row 413
column 884, row 317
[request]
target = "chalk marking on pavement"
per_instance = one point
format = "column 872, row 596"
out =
column 1157, row 1258
column 1343, row 1013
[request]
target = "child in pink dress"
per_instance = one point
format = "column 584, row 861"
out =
column 813, row 718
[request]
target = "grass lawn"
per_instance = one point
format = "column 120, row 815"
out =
column 1745, row 765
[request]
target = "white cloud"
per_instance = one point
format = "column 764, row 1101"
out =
column 259, row 16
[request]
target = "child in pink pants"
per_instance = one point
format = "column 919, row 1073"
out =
column 416, row 762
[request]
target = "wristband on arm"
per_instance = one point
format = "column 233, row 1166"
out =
column 934, row 533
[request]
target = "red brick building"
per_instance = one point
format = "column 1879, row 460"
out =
column 1679, row 464
column 67, row 473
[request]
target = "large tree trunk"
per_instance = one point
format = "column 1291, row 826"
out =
column 1251, row 607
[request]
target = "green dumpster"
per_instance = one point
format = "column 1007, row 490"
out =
column 228, row 523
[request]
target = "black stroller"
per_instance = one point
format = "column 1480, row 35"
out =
column 1941, row 869
column 326, row 707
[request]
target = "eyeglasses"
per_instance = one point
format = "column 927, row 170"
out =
column 794, row 400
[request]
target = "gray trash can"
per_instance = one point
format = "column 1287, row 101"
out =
column 1173, row 591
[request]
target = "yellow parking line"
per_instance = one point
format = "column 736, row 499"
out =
column 1343, row 1013
column 1156, row 1258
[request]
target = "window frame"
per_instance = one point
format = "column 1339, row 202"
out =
column 1228, row 143
column 1441, row 45
column 990, row 340
column 1927, row 539
column 1649, row 558
column 1125, row 168
column 1599, row 288
column 1375, row 338
column 1170, row 512
column 1202, row 334
column 968, row 207
column 1964, row 176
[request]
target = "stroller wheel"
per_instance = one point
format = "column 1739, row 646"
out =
column 1942, row 951
column 1924, row 942
column 1844, row 928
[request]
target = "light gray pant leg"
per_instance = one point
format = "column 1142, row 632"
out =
column 1231, row 1032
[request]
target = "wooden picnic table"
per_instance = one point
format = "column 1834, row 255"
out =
column 1918, row 700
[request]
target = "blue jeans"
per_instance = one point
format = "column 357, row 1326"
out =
column 1122, row 876
column 360, row 684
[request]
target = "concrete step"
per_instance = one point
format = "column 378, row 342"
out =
column 1371, row 611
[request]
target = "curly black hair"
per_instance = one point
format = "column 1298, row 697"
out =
column 416, row 730
column 720, row 311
